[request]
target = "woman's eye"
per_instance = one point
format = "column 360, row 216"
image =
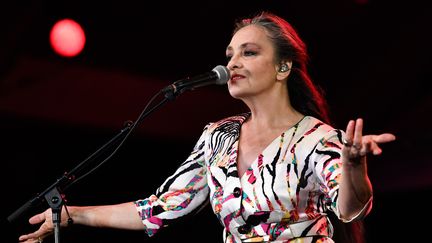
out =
column 228, row 57
column 249, row 53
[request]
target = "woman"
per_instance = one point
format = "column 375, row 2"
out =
column 272, row 174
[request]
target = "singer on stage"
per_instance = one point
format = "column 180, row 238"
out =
column 273, row 174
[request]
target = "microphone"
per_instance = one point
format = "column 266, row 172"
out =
column 219, row 75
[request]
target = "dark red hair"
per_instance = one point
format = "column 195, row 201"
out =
column 304, row 95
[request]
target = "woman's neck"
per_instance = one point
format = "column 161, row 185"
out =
column 272, row 111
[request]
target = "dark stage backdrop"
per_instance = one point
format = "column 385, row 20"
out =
column 372, row 58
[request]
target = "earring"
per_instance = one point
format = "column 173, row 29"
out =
column 284, row 68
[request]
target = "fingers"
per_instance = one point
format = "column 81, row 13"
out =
column 354, row 133
column 33, row 240
column 357, row 145
column 34, row 235
column 30, row 237
column 375, row 140
column 358, row 133
column 41, row 233
column 349, row 133
column 44, row 230
column 370, row 146
column 365, row 149
column 377, row 150
column 353, row 149
column 384, row 138
column 38, row 218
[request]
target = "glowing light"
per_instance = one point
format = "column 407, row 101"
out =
column 67, row 38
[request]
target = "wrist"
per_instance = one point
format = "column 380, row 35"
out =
column 74, row 215
column 354, row 162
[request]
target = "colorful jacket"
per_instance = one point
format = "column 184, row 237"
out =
column 284, row 196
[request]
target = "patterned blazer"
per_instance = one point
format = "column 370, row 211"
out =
column 284, row 196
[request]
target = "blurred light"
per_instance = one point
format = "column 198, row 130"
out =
column 67, row 38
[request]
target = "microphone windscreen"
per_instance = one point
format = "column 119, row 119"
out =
column 222, row 73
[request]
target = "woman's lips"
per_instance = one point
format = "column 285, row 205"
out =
column 236, row 77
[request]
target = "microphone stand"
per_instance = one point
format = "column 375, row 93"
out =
column 53, row 194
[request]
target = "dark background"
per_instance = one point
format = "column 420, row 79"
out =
column 371, row 57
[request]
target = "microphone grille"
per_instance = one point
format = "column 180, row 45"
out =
column 222, row 73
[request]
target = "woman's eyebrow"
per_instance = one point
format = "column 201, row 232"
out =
column 244, row 45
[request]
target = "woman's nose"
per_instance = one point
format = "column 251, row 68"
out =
column 233, row 63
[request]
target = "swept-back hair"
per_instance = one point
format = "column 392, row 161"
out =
column 304, row 95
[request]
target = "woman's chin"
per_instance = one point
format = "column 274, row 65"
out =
column 238, row 95
column 235, row 93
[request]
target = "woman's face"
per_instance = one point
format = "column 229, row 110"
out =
column 251, row 61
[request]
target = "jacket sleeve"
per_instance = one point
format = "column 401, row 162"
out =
column 179, row 195
column 328, row 167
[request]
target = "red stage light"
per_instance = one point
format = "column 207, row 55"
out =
column 67, row 38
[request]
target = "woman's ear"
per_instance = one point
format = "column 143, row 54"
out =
column 283, row 70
